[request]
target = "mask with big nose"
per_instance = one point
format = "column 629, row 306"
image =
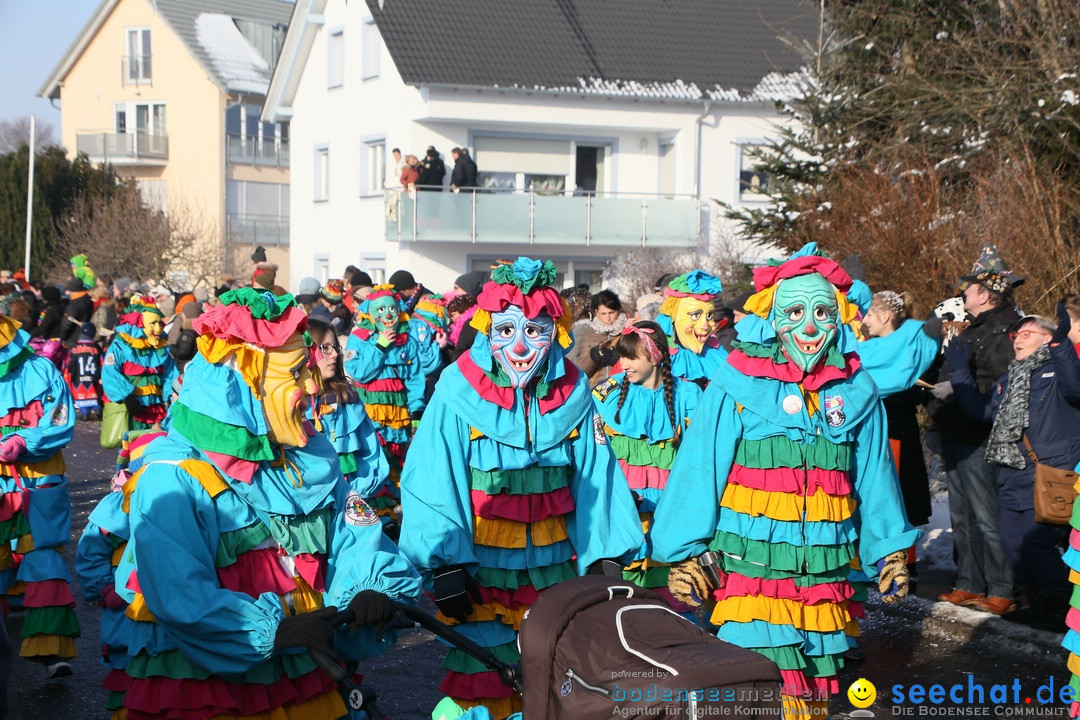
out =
column 384, row 312
column 286, row 384
column 805, row 316
column 519, row 344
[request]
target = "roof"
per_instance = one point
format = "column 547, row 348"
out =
column 303, row 25
column 663, row 49
column 240, row 61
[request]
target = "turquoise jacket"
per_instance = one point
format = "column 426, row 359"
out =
column 351, row 432
column 898, row 359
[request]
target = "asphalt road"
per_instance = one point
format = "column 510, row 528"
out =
column 899, row 651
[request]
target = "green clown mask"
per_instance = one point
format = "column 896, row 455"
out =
column 805, row 317
column 384, row 312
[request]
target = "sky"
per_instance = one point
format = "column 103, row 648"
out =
column 34, row 34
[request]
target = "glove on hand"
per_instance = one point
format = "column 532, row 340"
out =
column 454, row 587
column 111, row 599
column 132, row 404
column 893, row 577
column 932, row 327
column 371, row 607
column 11, row 448
column 310, row 630
column 943, row 391
column 1064, row 324
column 688, row 583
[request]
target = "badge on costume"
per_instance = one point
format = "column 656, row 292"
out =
column 601, row 391
column 358, row 512
column 60, row 415
column 110, row 359
column 349, row 355
column 598, row 430
column 834, row 410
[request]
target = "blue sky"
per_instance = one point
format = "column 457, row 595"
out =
column 34, row 34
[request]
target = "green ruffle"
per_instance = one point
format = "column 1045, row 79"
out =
column 526, row 481
column 781, row 451
column 208, row 434
column 54, row 620
column 1074, row 601
column 14, row 527
column 526, row 274
column 382, row 502
column 348, row 463
column 1075, row 521
column 297, row 534
column 1074, row 683
column 174, row 664
column 144, row 380
column 395, row 398
column 13, row 363
column 773, row 351
column 636, row 451
column 813, row 559
column 460, row 661
column 788, row 657
column 115, row 700
column 264, row 305
column 656, row 576
column 860, row 592
column 234, row 543
column 539, row 577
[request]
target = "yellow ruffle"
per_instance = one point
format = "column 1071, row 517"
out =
column 8, row 329
column 822, row 617
column 852, row 628
column 474, row 433
column 327, row 705
column 138, row 611
column 499, row 707
column 118, row 554
column 1073, row 664
column 143, row 343
column 511, row 533
column 25, row 544
column 55, row 465
column 493, row 610
column 304, row 598
column 144, row 390
column 45, row 645
column 393, row 416
column 120, row 714
column 788, row 506
column 1074, row 577
column 250, row 361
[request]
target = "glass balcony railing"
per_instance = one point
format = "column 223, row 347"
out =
column 257, row 229
column 256, row 150
column 538, row 218
column 123, row 148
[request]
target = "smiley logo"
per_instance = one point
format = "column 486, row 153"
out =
column 862, row 693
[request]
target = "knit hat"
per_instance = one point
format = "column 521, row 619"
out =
column 471, row 282
column 359, row 278
column 402, row 280
column 74, row 284
column 87, row 331
column 265, row 275
column 991, row 272
column 122, row 285
column 167, row 305
column 334, row 291
column 307, row 290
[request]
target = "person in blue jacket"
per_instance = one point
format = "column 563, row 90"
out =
column 246, row 538
column 137, row 369
column 511, row 485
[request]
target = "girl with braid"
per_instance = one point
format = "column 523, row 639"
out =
column 645, row 411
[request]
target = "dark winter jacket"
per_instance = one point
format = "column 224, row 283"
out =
column 1053, row 420
column 432, row 172
column 991, row 353
column 464, row 175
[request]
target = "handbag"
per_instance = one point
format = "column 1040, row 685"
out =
column 1055, row 491
column 114, row 423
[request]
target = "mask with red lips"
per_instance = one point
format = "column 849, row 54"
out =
column 384, row 312
column 805, row 316
column 519, row 344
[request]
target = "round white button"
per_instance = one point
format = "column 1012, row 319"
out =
column 792, row 404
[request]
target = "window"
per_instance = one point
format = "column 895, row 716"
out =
column 753, row 182
column 322, row 268
column 335, row 58
column 137, row 56
column 321, row 175
column 371, row 50
column 375, row 266
column 372, row 166
column 142, row 118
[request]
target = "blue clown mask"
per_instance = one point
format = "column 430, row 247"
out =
column 520, row 345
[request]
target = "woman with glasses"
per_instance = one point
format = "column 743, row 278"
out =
column 338, row 413
column 1037, row 404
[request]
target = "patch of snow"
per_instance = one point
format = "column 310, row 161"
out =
column 1069, row 97
column 238, row 64
column 869, row 46
column 936, row 546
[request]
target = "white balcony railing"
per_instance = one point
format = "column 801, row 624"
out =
column 255, row 150
column 257, row 229
column 486, row 216
column 123, row 148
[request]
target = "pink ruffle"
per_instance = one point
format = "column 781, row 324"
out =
column 256, row 572
column 640, row 477
column 117, row 681
column 738, row 585
column 23, row 417
column 523, row 508
column 1074, row 539
column 130, row 368
column 523, row 596
column 855, row 609
column 236, row 468
column 558, row 393
column 496, row 298
column 797, row 684
column 474, row 687
column 313, row 569
column 48, row 593
column 133, row 582
column 768, row 275
column 1072, row 619
column 234, row 322
column 561, row 390
column 10, row 503
column 791, row 480
column 384, row 385
column 1074, row 709
column 788, row 372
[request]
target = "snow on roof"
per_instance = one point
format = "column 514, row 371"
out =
column 236, row 61
column 774, row 87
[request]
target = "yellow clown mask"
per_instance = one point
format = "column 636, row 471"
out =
column 286, row 384
column 153, row 327
column 694, row 323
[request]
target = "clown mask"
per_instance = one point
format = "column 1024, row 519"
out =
column 152, row 327
column 384, row 312
column 286, row 383
column 695, row 322
column 805, row 316
column 519, row 344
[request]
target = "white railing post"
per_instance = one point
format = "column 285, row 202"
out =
column 532, row 216
column 644, row 220
column 588, row 219
column 473, row 215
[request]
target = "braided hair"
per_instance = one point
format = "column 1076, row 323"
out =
column 630, row 346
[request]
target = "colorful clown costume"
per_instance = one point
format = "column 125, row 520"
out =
column 240, row 523
column 517, row 485
column 688, row 318
column 786, row 473
column 37, row 420
column 390, row 374
column 427, row 321
column 137, row 364
column 643, row 441
column 1071, row 641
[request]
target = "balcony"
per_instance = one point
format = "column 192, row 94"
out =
column 256, row 150
column 608, row 219
column 123, row 148
column 257, row 229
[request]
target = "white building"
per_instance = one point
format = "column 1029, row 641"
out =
column 596, row 126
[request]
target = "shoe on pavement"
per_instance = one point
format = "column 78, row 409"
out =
column 854, row 654
column 58, row 670
column 963, row 598
column 996, row 605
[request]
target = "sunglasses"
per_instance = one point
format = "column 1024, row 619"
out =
column 1025, row 334
column 329, row 348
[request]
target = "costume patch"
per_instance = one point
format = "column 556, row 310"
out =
column 358, row 512
column 792, row 404
column 834, row 410
column 598, row 430
column 602, row 390
column 60, row 415
column 110, row 359
column 350, row 354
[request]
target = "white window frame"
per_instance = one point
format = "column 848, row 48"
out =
column 370, row 50
column 321, row 173
column 741, row 147
column 372, row 165
column 145, row 70
column 130, row 110
column 321, row 269
column 335, row 58
column 375, row 266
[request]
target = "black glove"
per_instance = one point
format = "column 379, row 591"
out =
column 454, row 587
column 958, row 354
column 371, row 607
column 603, row 356
column 932, row 327
column 1064, row 324
column 611, row 568
column 310, row 630
column 132, row 404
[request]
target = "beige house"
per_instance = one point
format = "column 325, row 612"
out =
column 170, row 92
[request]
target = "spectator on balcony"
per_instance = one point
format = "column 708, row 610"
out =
column 410, row 173
column 594, row 348
column 393, row 173
column 464, row 175
column 432, row 171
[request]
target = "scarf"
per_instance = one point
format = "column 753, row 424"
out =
column 1013, row 414
column 612, row 330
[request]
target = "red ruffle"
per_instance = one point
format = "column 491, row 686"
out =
column 855, row 609
column 1074, row 539
column 558, row 392
column 797, row 684
column 496, row 298
column 130, row 368
column 523, row 596
column 788, row 372
column 791, row 480
column 384, row 385
column 48, row 593
column 133, row 582
column 256, row 572
column 523, row 508
column 150, row 414
column 236, row 468
column 768, row 275
column 640, row 477
column 142, row 440
column 234, row 322
column 738, row 585
column 474, row 687
column 561, row 390
column 1074, row 709
column 24, row 417
column 162, row 698
column 1072, row 619
column 313, row 569
column 117, row 681
column 10, row 503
